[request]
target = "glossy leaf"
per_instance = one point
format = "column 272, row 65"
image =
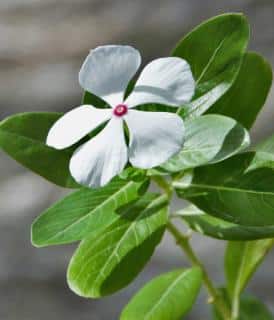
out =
column 167, row 297
column 241, row 261
column 221, row 229
column 23, row 137
column 108, row 261
column 236, row 190
column 84, row 212
column 208, row 139
column 214, row 51
column 247, row 96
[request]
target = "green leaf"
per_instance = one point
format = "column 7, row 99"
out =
column 250, row 308
column 221, row 229
column 167, row 297
column 248, row 94
column 89, row 98
column 236, row 190
column 133, row 174
column 214, row 51
column 208, row 139
column 108, row 261
column 23, row 137
column 253, row 309
column 264, row 156
column 83, row 212
column 266, row 146
column 241, row 261
column 156, row 108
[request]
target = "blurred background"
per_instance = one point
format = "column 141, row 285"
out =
column 42, row 46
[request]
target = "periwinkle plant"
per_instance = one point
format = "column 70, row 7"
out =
column 183, row 125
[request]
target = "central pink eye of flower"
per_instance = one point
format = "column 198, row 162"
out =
column 120, row 110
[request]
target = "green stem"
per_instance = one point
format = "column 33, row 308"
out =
column 235, row 307
column 164, row 185
column 183, row 242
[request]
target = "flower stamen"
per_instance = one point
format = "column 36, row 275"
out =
column 120, row 110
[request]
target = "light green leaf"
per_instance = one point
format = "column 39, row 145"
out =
column 264, row 156
column 208, row 139
column 221, row 229
column 214, row 51
column 108, row 261
column 266, row 153
column 234, row 190
column 247, row 96
column 266, row 146
column 167, row 297
column 133, row 174
column 83, row 212
column 23, row 137
column 253, row 309
column 241, row 261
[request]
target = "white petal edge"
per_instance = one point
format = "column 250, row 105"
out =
column 107, row 71
column 166, row 81
column 96, row 162
column 75, row 125
column 154, row 137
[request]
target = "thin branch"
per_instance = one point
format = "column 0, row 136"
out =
column 183, row 242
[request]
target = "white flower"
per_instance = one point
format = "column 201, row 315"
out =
column 153, row 136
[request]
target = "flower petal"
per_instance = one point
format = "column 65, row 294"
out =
column 154, row 137
column 166, row 81
column 107, row 71
column 96, row 162
column 76, row 124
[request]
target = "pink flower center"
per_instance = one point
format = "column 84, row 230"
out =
column 120, row 110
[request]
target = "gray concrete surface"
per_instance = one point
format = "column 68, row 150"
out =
column 43, row 43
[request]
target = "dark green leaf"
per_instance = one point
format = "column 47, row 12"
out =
column 108, row 261
column 23, row 137
column 83, row 212
column 214, row 51
column 208, row 139
column 167, row 297
column 253, row 309
column 241, row 261
column 247, row 96
column 91, row 99
column 236, row 190
column 250, row 308
column 156, row 108
column 220, row 229
column 224, row 295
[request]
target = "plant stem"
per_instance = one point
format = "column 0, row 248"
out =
column 235, row 307
column 183, row 242
column 164, row 185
